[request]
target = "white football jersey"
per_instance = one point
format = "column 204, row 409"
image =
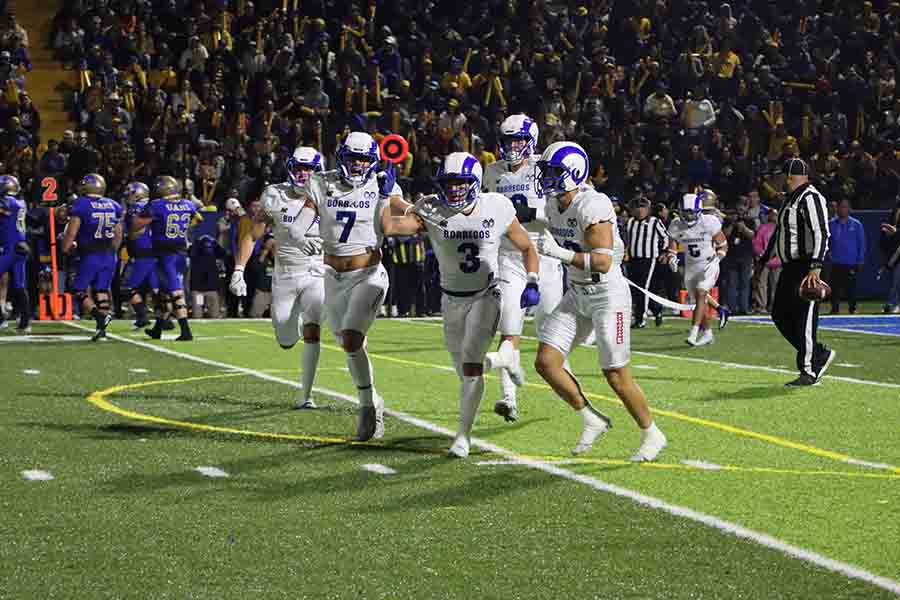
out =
column 349, row 218
column 519, row 188
column 467, row 246
column 589, row 207
column 282, row 205
column 697, row 238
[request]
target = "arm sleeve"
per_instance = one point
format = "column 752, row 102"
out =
column 597, row 209
column 816, row 213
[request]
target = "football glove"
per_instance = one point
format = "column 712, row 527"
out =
column 386, row 180
column 238, row 286
column 312, row 247
column 531, row 296
column 547, row 246
column 673, row 262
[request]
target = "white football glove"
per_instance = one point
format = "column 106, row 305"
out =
column 673, row 262
column 547, row 246
column 312, row 247
column 238, row 286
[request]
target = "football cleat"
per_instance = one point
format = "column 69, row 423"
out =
column 168, row 325
column 658, row 320
column 724, row 316
column 185, row 337
column 507, row 409
column 820, row 372
column 370, row 422
column 23, row 330
column 101, row 331
column 638, row 324
column 4, row 324
column 590, row 432
column 652, row 443
column 140, row 325
column 804, row 380
column 153, row 333
column 460, row 447
column 305, row 404
column 705, row 338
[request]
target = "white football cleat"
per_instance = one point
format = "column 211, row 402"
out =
column 705, row 339
column 652, row 443
column 692, row 338
column 460, row 447
column 590, row 432
column 305, row 403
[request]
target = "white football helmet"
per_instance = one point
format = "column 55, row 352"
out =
column 302, row 164
column 691, row 207
column 518, row 138
column 562, row 168
column 459, row 166
column 357, row 158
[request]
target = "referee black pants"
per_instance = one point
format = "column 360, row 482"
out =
column 843, row 286
column 645, row 272
column 798, row 319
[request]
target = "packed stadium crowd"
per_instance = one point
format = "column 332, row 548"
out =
column 666, row 97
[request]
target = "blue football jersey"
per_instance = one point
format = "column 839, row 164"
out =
column 12, row 225
column 99, row 217
column 145, row 240
column 171, row 222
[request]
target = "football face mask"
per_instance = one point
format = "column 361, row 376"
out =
column 458, row 192
column 300, row 173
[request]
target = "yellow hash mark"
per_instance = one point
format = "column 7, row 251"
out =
column 99, row 399
column 739, row 431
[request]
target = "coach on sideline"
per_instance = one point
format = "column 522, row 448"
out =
column 801, row 242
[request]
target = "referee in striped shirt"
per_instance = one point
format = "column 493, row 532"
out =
column 800, row 240
column 647, row 238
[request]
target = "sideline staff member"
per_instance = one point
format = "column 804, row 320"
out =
column 801, row 242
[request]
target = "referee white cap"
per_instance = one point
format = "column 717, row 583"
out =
column 796, row 166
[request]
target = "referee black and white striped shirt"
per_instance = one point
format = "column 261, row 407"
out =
column 647, row 237
column 802, row 233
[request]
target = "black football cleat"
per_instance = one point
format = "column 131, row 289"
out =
column 804, row 380
column 823, row 366
column 658, row 320
column 184, row 337
column 153, row 333
column 168, row 325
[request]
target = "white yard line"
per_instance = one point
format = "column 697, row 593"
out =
column 31, row 371
column 36, row 475
column 211, row 472
column 719, row 363
column 727, row 527
column 379, row 469
column 701, row 464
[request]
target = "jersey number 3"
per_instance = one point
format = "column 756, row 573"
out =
column 350, row 217
column 694, row 250
column 471, row 262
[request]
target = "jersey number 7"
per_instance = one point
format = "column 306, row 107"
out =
column 350, row 217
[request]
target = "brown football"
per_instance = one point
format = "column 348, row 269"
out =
column 817, row 293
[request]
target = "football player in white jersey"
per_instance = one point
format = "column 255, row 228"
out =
column 584, row 236
column 513, row 176
column 705, row 245
column 467, row 228
column 349, row 203
column 298, row 289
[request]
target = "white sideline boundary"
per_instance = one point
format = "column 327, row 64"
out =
column 727, row 527
column 706, row 361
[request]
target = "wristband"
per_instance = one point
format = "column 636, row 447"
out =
column 533, row 278
column 566, row 255
column 815, row 266
column 586, row 257
column 605, row 251
column 238, row 268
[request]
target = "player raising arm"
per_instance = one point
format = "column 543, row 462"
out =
column 701, row 234
column 349, row 205
column 584, row 222
column 298, row 288
column 466, row 228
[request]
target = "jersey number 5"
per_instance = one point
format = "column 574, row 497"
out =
column 350, row 217
column 471, row 262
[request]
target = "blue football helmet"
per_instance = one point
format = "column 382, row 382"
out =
column 459, row 166
column 135, row 192
column 357, row 158
column 166, row 186
column 302, row 164
column 518, row 138
column 562, row 168
column 92, row 184
column 9, row 185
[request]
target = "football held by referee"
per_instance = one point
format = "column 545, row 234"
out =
column 801, row 242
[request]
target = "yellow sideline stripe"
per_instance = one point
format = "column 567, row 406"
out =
column 739, row 431
column 99, row 399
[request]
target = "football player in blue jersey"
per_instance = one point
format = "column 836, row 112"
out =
column 14, row 250
column 140, row 273
column 169, row 217
column 95, row 232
